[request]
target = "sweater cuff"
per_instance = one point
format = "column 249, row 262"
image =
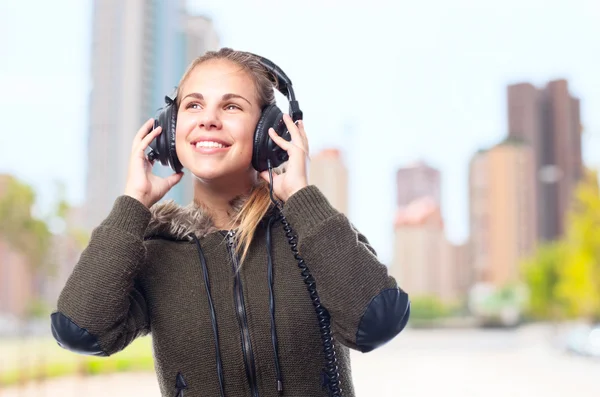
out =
column 307, row 208
column 129, row 215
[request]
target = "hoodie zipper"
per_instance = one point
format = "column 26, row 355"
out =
column 238, row 295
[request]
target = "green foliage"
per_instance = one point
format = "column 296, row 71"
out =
column 62, row 207
column 563, row 277
column 579, row 278
column 37, row 308
column 510, row 295
column 541, row 273
column 34, row 359
column 427, row 308
column 25, row 233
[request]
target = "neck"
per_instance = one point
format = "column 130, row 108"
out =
column 216, row 196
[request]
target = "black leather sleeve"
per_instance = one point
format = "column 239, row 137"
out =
column 102, row 307
column 74, row 338
column 385, row 317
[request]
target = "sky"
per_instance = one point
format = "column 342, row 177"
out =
column 388, row 82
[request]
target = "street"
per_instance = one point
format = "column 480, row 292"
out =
column 418, row 363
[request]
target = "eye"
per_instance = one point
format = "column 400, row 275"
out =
column 232, row 106
column 193, row 105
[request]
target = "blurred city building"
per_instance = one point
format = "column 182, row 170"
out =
column 140, row 50
column 519, row 196
column 549, row 120
column 17, row 282
column 66, row 250
column 501, row 212
column 424, row 262
column 329, row 173
column 417, row 180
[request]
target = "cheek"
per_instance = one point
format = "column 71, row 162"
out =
column 184, row 126
column 244, row 138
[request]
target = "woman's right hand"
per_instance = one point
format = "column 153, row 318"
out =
column 142, row 184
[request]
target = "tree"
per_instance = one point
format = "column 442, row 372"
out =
column 579, row 278
column 541, row 273
column 22, row 231
column 563, row 277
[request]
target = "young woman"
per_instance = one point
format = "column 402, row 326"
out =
column 243, row 296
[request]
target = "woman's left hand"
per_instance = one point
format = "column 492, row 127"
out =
column 295, row 176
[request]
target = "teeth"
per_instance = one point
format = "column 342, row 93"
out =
column 208, row 144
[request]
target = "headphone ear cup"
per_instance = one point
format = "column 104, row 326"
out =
column 264, row 147
column 171, row 128
column 163, row 147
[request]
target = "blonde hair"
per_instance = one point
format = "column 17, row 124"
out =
column 259, row 200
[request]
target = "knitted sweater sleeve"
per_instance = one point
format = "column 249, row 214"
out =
column 366, row 306
column 101, row 308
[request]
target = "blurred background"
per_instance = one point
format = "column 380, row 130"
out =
column 461, row 137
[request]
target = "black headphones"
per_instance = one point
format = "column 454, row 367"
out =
column 265, row 152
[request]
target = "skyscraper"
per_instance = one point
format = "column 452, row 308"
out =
column 139, row 51
column 119, row 98
column 328, row 172
column 549, row 120
column 502, row 216
column 415, row 181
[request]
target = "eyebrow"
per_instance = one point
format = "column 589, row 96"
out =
column 224, row 98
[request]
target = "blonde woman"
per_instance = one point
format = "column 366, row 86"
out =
column 259, row 287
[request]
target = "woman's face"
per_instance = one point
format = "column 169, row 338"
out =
column 217, row 116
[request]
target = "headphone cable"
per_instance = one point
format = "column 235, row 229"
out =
column 330, row 374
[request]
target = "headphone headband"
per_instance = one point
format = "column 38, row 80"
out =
column 283, row 84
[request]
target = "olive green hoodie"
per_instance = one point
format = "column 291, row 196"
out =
column 217, row 332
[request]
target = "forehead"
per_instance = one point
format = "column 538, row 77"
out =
column 218, row 77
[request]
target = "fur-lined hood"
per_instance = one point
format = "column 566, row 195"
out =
column 174, row 221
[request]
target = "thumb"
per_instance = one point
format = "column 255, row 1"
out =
column 173, row 179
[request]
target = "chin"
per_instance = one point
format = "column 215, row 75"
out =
column 219, row 170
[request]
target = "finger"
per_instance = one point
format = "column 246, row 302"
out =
column 144, row 130
column 303, row 134
column 301, row 130
column 288, row 145
column 148, row 138
column 293, row 129
column 282, row 143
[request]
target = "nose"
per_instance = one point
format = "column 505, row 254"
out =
column 209, row 119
